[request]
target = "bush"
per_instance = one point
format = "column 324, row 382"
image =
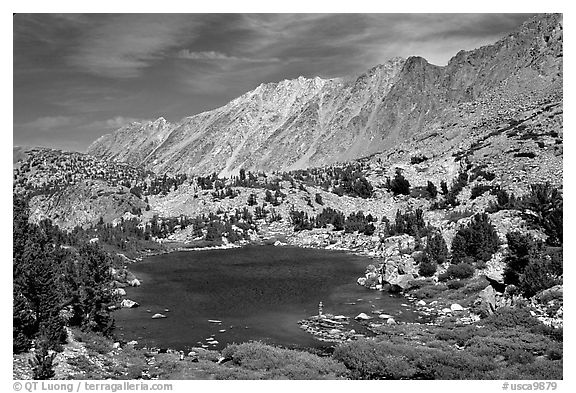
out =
column 546, row 202
column 457, row 185
column 456, row 215
column 429, row 291
column 368, row 359
column 459, row 271
column 478, row 240
column 411, row 223
column 432, row 190
column 400, row 185
column 444, row 187
column 455, row 284
column 418, row 159
column 427, row 267
column 510, row 317
column 43, row 361
column 283, row 362
column 436, row 247
column 528, row 267
column 478, row 190
column 539, row 274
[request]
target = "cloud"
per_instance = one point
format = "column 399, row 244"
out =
column 123, row 45
column 219, row 56
column 48, row 123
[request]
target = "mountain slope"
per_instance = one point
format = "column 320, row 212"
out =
column 312, row 122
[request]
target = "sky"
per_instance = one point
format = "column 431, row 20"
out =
column 77, row 77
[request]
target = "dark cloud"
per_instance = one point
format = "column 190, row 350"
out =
column 79, row 76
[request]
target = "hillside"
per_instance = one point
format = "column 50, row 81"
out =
column 315, row 122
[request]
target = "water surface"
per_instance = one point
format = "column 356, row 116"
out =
column 258, row 292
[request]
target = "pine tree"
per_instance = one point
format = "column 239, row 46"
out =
column 436, row 248
column 95, row 289
column 431, row 188
column 24, row 322
column 400, row 185
column 477, row 240
column 43, row 362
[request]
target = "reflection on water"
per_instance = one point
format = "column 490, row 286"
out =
column 258, row 293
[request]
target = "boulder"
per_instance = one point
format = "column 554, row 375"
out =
column 391, row 321
column 400, row 282
column 158, row 316
column 496, row 276
column 361, row 281
column 119, row 292
column 456, row 307
column 555, row 292
column 362, row 316
column 400, row 242
column 487, row 300
column 134, row 283
column 421, row 303
column 406, row 265
column 127, row 303
column 384, row 316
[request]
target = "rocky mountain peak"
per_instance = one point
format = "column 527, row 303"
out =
column 303, row 122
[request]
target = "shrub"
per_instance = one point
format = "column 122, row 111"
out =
column 457, row 185
column 528, row 267
column 444, row 187
column 432, row 190
column 478, row 240
column 368, row 359
column 283, row 362
column 455, row 284
column 540, row 370
column 429, row 291
column 411, row 223
column 545, row 201
column 436, row 247
column 460, row 271
column 43, row 361
column 427, row 267
column 510, row 317
column 400, row 185
column 330, row 216
column 478, row 190
column 539, row 274
column 418, row 159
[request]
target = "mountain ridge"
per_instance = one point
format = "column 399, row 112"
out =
column 303, row 122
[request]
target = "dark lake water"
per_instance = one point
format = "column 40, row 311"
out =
column 258, row 292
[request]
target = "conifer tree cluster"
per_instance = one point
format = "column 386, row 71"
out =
column 51, row 281
column 478, row 240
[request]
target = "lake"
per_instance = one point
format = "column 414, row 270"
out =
column 257, row 292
